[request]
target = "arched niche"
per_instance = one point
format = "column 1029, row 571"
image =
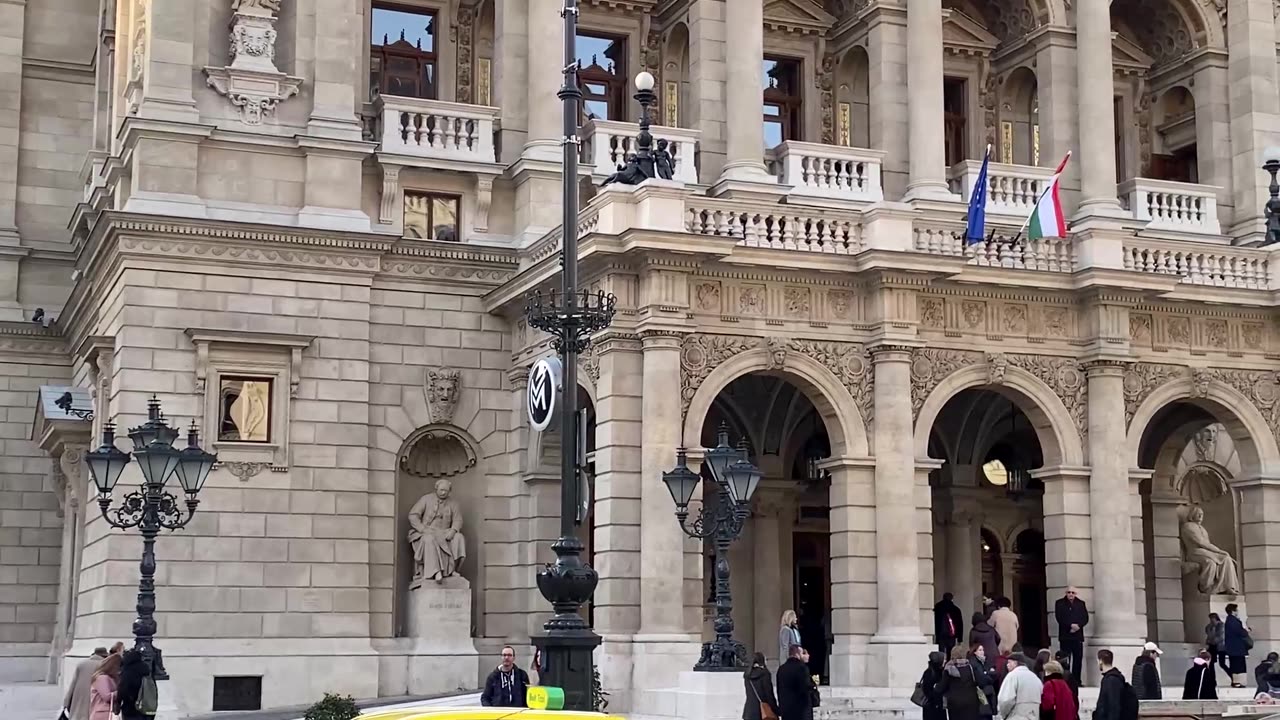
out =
column 675, row 77
column 483, row 71
column 1020, row 118
column 853, row 99
column 1174, row 150
column 429, row 455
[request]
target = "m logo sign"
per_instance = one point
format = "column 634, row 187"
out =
column 544, row 386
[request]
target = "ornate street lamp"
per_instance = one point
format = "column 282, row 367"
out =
column 150, row 508
column 1272, row 209
column 646, row 162
column 736, row 479
column 571, row 317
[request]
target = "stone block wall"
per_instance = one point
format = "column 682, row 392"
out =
column 30, row 518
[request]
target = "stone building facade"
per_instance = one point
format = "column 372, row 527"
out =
column 310, row 226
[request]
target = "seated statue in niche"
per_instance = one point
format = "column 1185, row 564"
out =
column 435, row 532
column 1216, row 571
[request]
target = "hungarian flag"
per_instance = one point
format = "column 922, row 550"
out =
column 1046, row 218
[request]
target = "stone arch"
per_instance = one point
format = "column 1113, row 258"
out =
column 1248, row 428
column 853, row 96
column 675, row 69
column 845, row 426
column 1020, row 107
column 1060, row 442
column 1169, row 29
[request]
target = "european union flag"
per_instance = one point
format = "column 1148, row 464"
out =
column 977, row 228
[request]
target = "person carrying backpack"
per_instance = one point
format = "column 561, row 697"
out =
column 136, row 695
column 1117, row 699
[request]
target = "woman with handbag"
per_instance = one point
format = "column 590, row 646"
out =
column 1236, row 644
column 102, row 689
column 926, row 694
column 760, row 703
column 959, row 686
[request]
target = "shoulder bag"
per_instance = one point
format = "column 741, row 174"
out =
column 983, row 703
column 766, row 710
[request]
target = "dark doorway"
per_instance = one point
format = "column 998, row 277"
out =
column 811, row 554
column 1033, row 612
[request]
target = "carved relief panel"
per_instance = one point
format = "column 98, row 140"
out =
column 996, row 319
column 734, row 300
column 1160, row 331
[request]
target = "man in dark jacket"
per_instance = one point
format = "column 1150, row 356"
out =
column 1146, row 676
column 948, row 624
column 1112, row 692
column 507, row 685
column 795, row 686
column 1072, row 615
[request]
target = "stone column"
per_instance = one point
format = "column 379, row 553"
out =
column 1260, row 550
column 1139, row 553
column 964, row 563
column 767, row 573
column 853, row 568
column 1056, row 91
column 1166, row 555
column 1068, row 554
column 11, row 34
column 898, row 638
column 339, row 45
column 545, row 77
column 510, row 87
column 1251, row 74
column 1213, row 131
column 928, row 162
column 706, row 102
column 887, row 65
column 1110, row 524
column 1096, row 112
column 165, row 47
column 744, row 92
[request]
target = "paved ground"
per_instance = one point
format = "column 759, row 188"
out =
column 380, row 704
column 29, row 701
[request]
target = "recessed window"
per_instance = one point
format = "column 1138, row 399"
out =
column 783, row 99
column 955, row 119
column 402, row 52
column 244, row 409
column 429, row 216
column 603, row 76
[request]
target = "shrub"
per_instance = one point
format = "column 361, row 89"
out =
column 599, row 698
column 333, row 707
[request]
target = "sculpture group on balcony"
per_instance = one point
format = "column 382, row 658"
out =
column 435, row 533
column 1215, row 569
column 645, row 165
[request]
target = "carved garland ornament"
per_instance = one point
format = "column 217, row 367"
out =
column 930, row 366
column 1262, row 387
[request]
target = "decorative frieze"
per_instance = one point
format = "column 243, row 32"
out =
column 252, row 82
column 1142, row 379
column 1261, row 387
column 701, row 354
column 996, row 318
column 1197, row 334
column 849, row 362
column 733, row 299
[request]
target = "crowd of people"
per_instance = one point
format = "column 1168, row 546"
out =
column 109, row 684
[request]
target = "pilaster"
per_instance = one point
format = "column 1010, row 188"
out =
column 1166, row 560
column 1096, row 111
column 510, row 87
column 928, row 164
column 545, row 77
column 1251, row 74
column 887, row 66
column 1260, row 555
column 706, row 106
column 338, row 51
column 1057, row 94
column 12, row 21
column 163, row 54
column 744, row 89
column 853, row 567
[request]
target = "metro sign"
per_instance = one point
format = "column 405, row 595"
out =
column 544, row 387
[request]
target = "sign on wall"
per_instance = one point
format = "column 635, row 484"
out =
column 542, row 395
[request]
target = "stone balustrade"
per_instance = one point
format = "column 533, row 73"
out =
column 1172, row 206
column 776, row 226
column 435, row 130
column 829, row 171
column 1047, row 254
column 608, row 142
column 1201, row 264
column 1011, row 189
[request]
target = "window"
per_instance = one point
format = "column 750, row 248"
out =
column 244, row 409
column 428, row 216
column 602, row 63
column 782, row 101
column 402, row 53
column 955, row 119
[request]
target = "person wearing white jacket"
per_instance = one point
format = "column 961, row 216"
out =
column 1020, row 692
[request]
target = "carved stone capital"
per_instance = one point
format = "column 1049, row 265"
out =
column 660, row 339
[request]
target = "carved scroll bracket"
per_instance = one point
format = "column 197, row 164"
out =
column 252, row 82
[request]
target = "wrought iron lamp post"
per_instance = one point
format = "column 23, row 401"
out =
column 646, row 162
column 736, row 479
column 571, row 317
column 1272, row 208
column 150, row 508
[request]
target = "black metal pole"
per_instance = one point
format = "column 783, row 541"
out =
column 571, row 97
column 1272, row 208
column 144, row 627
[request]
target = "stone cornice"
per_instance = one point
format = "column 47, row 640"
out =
column 32, row 339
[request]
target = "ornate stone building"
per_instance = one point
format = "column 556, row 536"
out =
column 309, row 227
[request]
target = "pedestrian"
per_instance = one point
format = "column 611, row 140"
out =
column 788, row 635
column 1042, row 658
column 102, row 691
column 760, row 702
column 948, row 624
column 1116, row 698
column 535, row 667
column 1064, row 659
column 1267, row 674
column 1215, row 636
column 933, row 706
column 507, row 685
column 1057, row 701
column 1146, row 676
column 986, row 678
column 796, row 691
column 1072, row 615
column 134, row 673
column 1236, row 644
column 76, row 701
column 1202, row 680
column 959, row 687
column 1005, row 621
column 983, row 634
column 1021, row 692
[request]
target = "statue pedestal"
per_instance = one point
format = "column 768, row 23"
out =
column 1196, row 607
column 442, row 657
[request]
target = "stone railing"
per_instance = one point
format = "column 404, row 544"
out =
column 436, row 130
column 606, row 144
column 1047, row 254
column 1173, row 206
column 1011, row 189
column 829, row 171
column 776, row 226
column 1200, row 264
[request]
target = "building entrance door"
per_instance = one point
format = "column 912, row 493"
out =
column 812, row 562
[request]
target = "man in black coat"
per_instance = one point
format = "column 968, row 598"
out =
column 948, row 624
column 507, row 685
column 1072, row 615
column 796, row 690
column 1112, row 691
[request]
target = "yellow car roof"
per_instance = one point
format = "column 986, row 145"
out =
column 483, row 713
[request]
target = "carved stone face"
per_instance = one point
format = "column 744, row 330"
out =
column 445, row 389
column 443, row 488
column 1196, row 515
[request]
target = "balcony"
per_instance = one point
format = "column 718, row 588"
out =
column 434, row 133
column 1012, row 190
column 1172, row 206
column 1203, row 264
column 827, row 172
column 608, row 142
